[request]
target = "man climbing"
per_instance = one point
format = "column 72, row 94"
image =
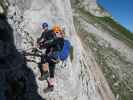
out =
column 60, row 49
column 46, row 36
column 56, row 45
column 57, row 49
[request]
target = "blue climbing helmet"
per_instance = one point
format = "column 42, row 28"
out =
column 45, row 25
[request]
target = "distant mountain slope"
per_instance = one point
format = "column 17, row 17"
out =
column 112, row 46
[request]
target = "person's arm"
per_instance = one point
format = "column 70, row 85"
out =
column 50, row 42
column 57, row 43
column 41, row 38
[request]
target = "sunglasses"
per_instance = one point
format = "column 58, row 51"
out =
column 58, row 32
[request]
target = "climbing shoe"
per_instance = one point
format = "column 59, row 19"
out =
column 49, row 89
column 51, row 83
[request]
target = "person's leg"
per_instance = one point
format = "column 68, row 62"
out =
column 51, row 69
column 45, row 72
column 44, row 68
column 52, row 72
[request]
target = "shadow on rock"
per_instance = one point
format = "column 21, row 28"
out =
column 17, row 81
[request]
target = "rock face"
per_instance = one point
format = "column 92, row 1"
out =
column 17, row 81
column 95, row 65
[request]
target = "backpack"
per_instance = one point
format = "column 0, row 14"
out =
column 64, row 53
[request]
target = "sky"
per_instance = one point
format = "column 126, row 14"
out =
column 121, row 10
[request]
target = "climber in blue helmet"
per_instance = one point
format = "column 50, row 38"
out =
column 46, row 36
column 56, row 48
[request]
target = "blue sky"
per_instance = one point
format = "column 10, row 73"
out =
column 121, row 10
